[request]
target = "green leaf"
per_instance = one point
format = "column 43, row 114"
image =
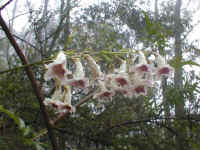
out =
column 18, row 121
column 195, row 146
column 189, row 62
column 10, row 114
column 21, row 123
column 39, row 147
column 27, row 131
column 177, row 63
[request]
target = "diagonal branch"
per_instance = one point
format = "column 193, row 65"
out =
column 156, row 119
column 29, row 72
column 28, row 43
column 2, row 7
column 24, row 66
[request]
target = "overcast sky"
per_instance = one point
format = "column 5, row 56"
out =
column 21, row 21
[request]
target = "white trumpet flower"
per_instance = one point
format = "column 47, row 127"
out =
column 142, row 67
column 57, row 69
column 163, row 69
column 60, row 100
column 140, row 87
column 96, row 71
column 79, row 80
column 121, row 76
column 104, row 93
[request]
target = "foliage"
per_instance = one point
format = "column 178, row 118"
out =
column 107, row 31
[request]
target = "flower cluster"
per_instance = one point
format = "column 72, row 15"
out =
column 129, row 79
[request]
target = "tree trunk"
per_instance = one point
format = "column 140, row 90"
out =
column 45, row 13
column 156, row 9
column 179, row 105
column 179, row 108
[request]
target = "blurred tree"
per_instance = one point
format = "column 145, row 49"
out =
column 167, row 118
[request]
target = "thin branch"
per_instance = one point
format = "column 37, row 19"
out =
column 49, row 59
column 19, row 15
column 94, row 139
column 24, row 66
column 35, row 86
column 2, row 7
column 168, row 128
column 186, row 118
column 26, row 42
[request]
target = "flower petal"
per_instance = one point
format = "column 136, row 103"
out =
column 96, row 71
column 78, row 83
column 57, row 69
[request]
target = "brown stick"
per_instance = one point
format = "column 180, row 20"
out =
column 35, row 86
column 1, row 8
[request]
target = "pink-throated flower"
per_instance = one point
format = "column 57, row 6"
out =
column 163, row 69
column 57, row 69
column 60, row 100
column 121, row 76
column 142, row 66
column 124, row 91
column 79, row 80
column 104, row 93
column 140, row 86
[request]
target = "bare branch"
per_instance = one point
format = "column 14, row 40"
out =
column 2, row 7
column 157, row 119
column 26, row 42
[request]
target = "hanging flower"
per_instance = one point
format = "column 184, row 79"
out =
column 55, row 98
column 124, row 91
column 122, row 68
column 60, row 100
column 122, row 80
column 142, row 67
column 57, row 69
column 96, row 71
column 66, row 99
column 140, row 87
column 163, row 69
column 135, row 81
column 111, row 83
column 104, row 93
column 121, row 76
column 79, row 80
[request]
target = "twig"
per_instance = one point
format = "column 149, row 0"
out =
column 26, row 42
column 24, row 66
column 152, row 120
column 2, row 7
column 35, row 86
